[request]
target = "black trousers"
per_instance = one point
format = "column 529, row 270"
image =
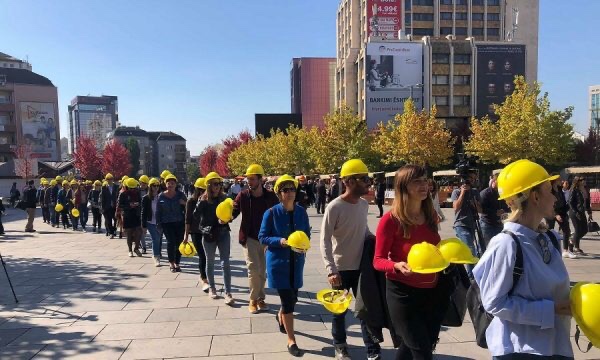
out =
column 96, row 218
column 174, row 233
column 564, row 227
column 579, row 227
column 321, row 205
column 417, row 316
column 46, row 214
column 289, row 298
column 197, row 241
column 379, row 203
column 109, row 221
column 64, row 215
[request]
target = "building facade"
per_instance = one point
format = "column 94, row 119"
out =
column 7, row 61
column 439, row 20
column 29, row 115
column 594, row 104
column 94, row 117
column 312, row 89
column 145, row 144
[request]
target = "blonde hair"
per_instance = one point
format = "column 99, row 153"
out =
column 518, row 204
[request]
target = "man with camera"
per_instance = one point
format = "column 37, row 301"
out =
column 467, row 204
column 491, row 213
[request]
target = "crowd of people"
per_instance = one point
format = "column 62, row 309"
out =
column 531, row 318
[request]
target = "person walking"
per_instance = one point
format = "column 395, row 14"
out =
column 532, row 318
column 284, row 265
column 45, row 200
column 94, row 200
column 62, row 199
column 252, row 204
column 130, row 204
column 30, row 198
column 51, row 193
column 492, row 211
column 416, row 302
column 334, row 190
column 73, row 197
column 321, row 196
column 380, row 194
column 14, row 194
column 149, row 206
column 82, row 204
column 343, row 233
column 192, row 227
column 577, row 209
column 215, row 234
column 56, row 186
column 170, row 220
column 108, row 200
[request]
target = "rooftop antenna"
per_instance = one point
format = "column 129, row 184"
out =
column 515, row 25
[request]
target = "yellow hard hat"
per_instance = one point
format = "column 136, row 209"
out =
column 97, row 183
column 200, row 183
column 88, row 182
column 585, row 298
column 336, row 301
column 58, row 178
column 425, row 258
column 154, row 181
column 170, row 177
column 225, row 210
column 165, row 173
column 284, row 178
column 74, row 182
column 520, row 176
column 104, row 183
column 53, row 182
column 131, row 183
column 125, row 177
column 187, row 249
column 75, row 212
column 144, row 179
column 58, row 208
column 255, row 169
column 456, row 252
column 211, row 176
column 43, row 180
column 353, row 167
column 108, row 176
column 65, row 183
column 299, row 241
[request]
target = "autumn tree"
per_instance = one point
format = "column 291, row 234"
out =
column 24, row 163
column 587, row 152
column 526, row 129
column 230, row 144
column 87, row 159
column 414, row 137
column 115, row 159
column 208, row 160
column 253, row 152
column 134, row 156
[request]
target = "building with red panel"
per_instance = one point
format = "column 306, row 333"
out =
column 312, row 89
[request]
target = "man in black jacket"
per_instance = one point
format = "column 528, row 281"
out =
column 30, row 197
column 492, row 210
column 380, row 194
column 108, row 201
column 321, row 196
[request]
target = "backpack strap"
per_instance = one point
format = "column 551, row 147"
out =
column 518, row 268
column 577, row 337
column 554, row 240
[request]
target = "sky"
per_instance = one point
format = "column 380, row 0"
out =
column 203, row 68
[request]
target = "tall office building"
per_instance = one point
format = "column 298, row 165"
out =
column 483, row 21
column 94, row 117
column 594, row 95
column 312, row 89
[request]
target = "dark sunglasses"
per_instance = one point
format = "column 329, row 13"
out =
column 217, row 184
column 155, row 185
column 287, row 190
column 365, row 179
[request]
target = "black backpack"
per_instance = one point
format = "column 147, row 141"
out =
column 482, row 319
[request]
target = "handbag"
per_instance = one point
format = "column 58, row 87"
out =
column 21, row 205
column 593, row 226
column 457, row 308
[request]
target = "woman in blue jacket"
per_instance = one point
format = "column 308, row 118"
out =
column 285, row 266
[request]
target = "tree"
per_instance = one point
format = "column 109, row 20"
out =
column 134, row 156
column 230, row 144
column 116, row 159
column 192, row 171
column 587, row 152
column 526, row 129
column 87, row 159
column 414, row 137
column 253, row 152
column 208, row 160
column 24, row 163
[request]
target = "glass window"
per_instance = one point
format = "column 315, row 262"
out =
column 90, row 107
column 462, row 100
column 440, row 79
column 477, row 31
column 445, row 16
column 440, row 100
column 440, row 59
column 477, row 2
column 422, row 2
column 407, row 5
column 462, row 79
column 477, row 16
column 407, row 19
column 422, row 17
column 493, row 2
column 4, row 119
column 446, row 2
column 462, row 58
column 445, row 30
column 493, row 31
column 422, row 31
column 4, row 98
column 461, row 16
column 460, row 2
column 460, row 31
column 493, row 16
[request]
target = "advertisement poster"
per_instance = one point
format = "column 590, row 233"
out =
column 497, row 66
column 384, row 18
column 39, row 123
column 394, row 72
column 96, row 125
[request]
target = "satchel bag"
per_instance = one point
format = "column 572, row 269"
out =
column 593, row 226
column 457, row 308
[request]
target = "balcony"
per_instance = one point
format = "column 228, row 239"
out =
column 7, row 107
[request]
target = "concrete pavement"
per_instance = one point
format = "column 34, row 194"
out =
column 82, row 297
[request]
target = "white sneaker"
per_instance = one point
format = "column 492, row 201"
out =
column 341, row 353
column 156, row 261
column 569, row 255
column 213, row 294
column 229, row 299
column 205, row 287
column 130, row 254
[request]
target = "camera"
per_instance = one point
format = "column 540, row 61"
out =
column 464, row 168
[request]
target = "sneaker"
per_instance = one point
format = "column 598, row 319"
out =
column 569, row 255
column 252, row 308
column 130, row 254
column 578, row 252
column 229, row 299
column 374, row 357
column 138, row 252
column 156, row 261
column 341, row 353
column 205, row 287
column 144, row 251
column 213, row 294
column 262, row 305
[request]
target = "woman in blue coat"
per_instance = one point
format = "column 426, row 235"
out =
column 285, row 266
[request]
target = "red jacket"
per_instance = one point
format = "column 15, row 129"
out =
column 252, row 210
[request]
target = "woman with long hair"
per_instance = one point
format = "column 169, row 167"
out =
column 215, row 234
column 285, row 266
column 149, row 206
column 192, row 226
column 434, row 191
column 532, row 317
column 170, row 217
column 577, row 209
column 417, row 302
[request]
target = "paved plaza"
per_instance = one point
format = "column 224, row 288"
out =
column 82, row 297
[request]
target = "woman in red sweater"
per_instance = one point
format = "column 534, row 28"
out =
column 417, row 302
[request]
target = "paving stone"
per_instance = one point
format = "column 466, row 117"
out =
column 113, row 317
column 126, row 295
column 106, row 350
column 183, row 314
column 213, row 327
column 32, row 320
column 138, row 331
column 301, row 323
column 163, row 303
column 8, row 335
column 57, row 334
column 168, row 348
column 94, row 305
column 20, row 352
column 172, row 284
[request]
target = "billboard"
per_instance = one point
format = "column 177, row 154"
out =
column 39, row 124
column 394, row 72
column 497, row 66
column 384, row 18
column 96, row 125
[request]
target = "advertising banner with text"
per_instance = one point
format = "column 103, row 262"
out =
column 38, row 122
column 384, row 18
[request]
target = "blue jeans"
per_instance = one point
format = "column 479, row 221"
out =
column 83, row 215
column 489, row 231
column 156, row 239
column 338, row 328
column 52, row 214
column 467, row 236
column 223, row 242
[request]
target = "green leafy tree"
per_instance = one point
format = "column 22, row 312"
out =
column 193, row 171
column 134, row 156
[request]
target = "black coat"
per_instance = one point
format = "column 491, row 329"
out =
column 107, row 200
column 146, row 210
column 131, row 214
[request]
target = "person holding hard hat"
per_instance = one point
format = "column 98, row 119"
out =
column 343, row 232
column 144, row 181
column 94, row 199
column 149, row 205
column 55, row 187
column 108, row 200
column 63, row 201
column 284, row 265
column 192, row 226
column 130, row 205
column 417, row 300
column 72, row 203
column 45, row 200
column 252, row 204
column 532, row 318
column 170, row 219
